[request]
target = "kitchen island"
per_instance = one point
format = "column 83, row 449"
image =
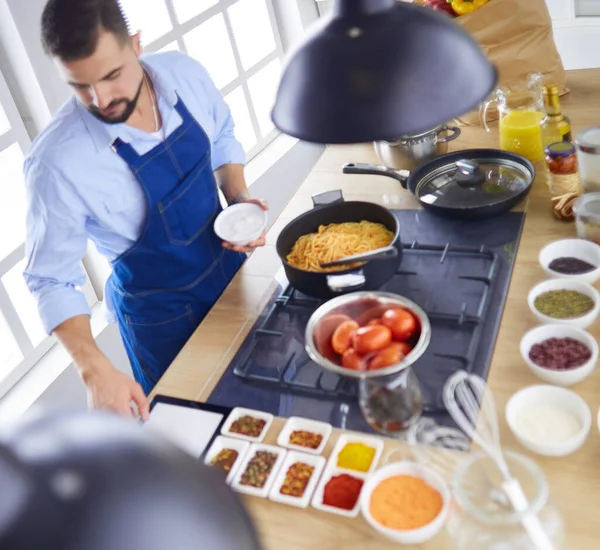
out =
column 574, row 480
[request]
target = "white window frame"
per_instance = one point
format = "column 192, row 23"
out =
column 31, row 354
column 176, row 34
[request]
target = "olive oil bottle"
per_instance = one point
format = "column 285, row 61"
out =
column 555, row 126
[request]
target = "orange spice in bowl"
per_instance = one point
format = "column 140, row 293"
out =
column 405, row 502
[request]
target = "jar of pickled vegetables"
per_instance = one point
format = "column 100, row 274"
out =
column 562, row 177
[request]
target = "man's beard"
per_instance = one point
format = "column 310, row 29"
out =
column 130, row 105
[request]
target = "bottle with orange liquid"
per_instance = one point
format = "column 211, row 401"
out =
column 520, row 111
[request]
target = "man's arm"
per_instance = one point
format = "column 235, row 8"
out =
column 56, row 242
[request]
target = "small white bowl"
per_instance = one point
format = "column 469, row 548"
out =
column 317, row 500
column 377, row 444
column 296, row 423
column 581, row 249
column 549, row 395
column 250, row 218
column 431, row 477
column 565, row 284
column 292, row 457
column 221, row 442
column 562, row 377
column 262, row 492
column 238, row 412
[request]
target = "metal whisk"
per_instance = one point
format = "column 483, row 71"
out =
column 471, row 405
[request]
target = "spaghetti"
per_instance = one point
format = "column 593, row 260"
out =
column 335, row 241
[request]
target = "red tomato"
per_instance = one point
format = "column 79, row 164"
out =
column 388, row 356
column 374, row 322
column 370, row 339
column 353, row 361
column 340, row 340
column 323, row 333
column 401, row 322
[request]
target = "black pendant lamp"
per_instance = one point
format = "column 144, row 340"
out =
column 379, row 69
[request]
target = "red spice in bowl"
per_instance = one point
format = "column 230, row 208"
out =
column 342, row 491
column 560, row 354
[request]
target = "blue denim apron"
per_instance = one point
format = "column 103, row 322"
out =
column 165, row 284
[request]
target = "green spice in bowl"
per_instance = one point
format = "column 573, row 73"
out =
column 563, row 304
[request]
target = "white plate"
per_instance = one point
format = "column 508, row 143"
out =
column 222, row 442
column 296, row 423
column 377, row 444
column 237, row 214
column 238, row 412
column 255, row 491
column 292, row 457
column 317, row 500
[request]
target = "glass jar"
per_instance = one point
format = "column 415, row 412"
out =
column 561, row 169
column 483, row 518
column 588, row 158
column 587, row 217
column 391, row 404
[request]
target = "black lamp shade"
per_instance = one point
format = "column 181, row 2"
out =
column 378, row 69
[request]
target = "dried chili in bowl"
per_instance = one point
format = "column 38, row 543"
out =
column 225, row 459
column 307, row 439
column 296, row 479
column 248, row 425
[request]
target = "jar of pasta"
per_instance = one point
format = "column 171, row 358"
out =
column 562, row 177
column 587, row 216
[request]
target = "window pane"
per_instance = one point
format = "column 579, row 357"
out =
column 148, row 16
column 170, row 47
column 252, row 30
column 209, row 44
column 186, row 9
column 263, row 87
column 12, row 205
column 4, row 125
column 24, row 303
column 241, row 118
column 10, row 355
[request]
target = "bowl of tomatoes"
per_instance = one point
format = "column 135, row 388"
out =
column 367, row 334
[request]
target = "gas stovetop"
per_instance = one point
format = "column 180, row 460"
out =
column 458, row 271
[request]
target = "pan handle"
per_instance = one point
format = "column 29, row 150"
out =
column 327, row 197
column 376, row 169
column 378, row 254
column 346, row 282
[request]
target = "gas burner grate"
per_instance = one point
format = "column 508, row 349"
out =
column 457, row 317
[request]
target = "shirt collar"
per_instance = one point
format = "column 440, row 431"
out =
column 104, row 134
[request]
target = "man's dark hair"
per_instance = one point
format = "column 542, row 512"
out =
column 70, row 28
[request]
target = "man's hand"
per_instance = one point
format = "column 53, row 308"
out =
column 250, row 247
column 110, row 389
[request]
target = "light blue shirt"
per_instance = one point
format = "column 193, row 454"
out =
column 79, row 189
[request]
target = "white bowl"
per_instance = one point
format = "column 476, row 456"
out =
column 238, row 412
column 550, row 395
column 581, row 249
column 431, row 477
column 241, row 223
column 297, row 423
column 563, row 377
column 317, row 500
column 317, row 462
column 263, row 491
column 221, row 442
column 377, row 444
column 565, row 284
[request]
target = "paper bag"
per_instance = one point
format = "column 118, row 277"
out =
column 516, row 35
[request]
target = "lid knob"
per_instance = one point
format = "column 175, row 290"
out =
column 468, row 173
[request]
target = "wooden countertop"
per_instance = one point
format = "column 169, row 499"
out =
column 574, row 480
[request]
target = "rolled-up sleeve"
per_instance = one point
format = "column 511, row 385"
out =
column 55, row 244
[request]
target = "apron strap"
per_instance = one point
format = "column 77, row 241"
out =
column 125, row 151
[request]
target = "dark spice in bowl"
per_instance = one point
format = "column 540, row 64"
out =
column 570, row 266
column 248, row 425
column 560, row 353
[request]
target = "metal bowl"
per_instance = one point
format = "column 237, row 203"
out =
column 354, row 305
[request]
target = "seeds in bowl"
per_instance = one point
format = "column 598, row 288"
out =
column 296, row 479
column 307, row 439
column 258, row 470
column 405, row 502
column 560, row 354
column 571, row 266
column 563, row 304
column 248, row 425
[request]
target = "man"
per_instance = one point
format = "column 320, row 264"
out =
column 132, row 162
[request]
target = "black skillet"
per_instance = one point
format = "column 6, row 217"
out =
column 471, row 184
